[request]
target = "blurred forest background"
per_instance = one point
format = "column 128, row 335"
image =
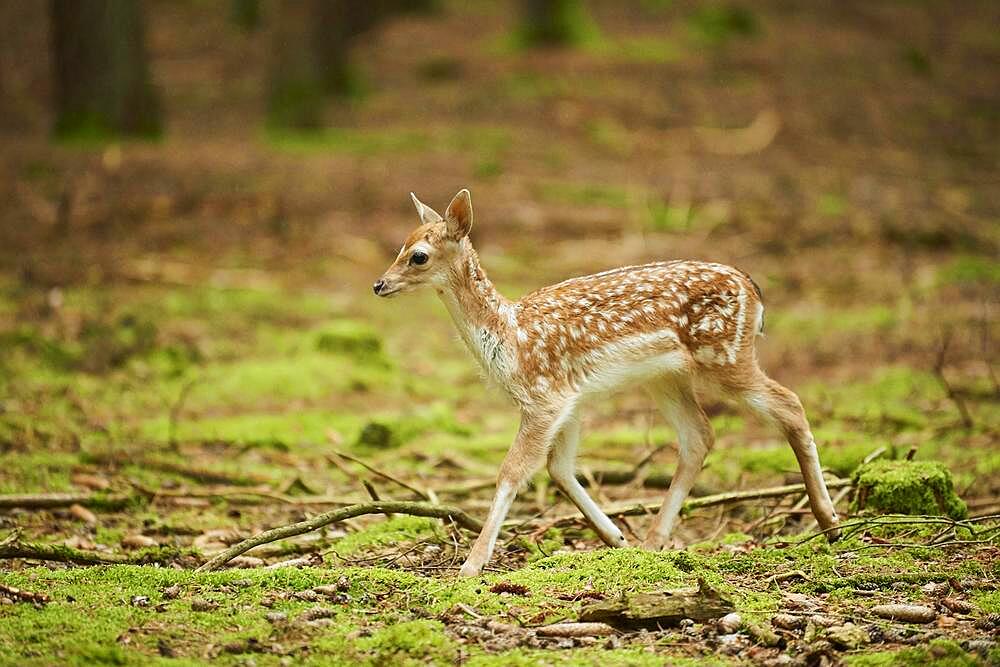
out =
column 198, row 195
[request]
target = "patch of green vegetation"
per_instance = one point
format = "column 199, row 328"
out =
column 988, row 601
column 970, row 270
column 609, row 134
column 487, row 167
column 396, row 431
column 592, row 194
column 416, row 642
column 893, row 398
column 296, row 428
column 831, row 204
column 644, row 49
column 715, row 25
column 815, row 324
column 37, row 471
column 351, row 141
column 543, row 546
column 394, row 531
column 939, row 652
column 666, row 217
column 907, row 487
column 557, row 23
column 255, row 382
column 390, row 141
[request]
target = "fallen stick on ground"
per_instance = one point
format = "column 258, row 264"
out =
column 117, row 501
column 57, row 500
column 334, row 516
column 633, row 508
column 13, row 547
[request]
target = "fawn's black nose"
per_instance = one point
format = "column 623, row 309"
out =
column 378, row 287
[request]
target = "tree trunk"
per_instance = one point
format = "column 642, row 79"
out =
column 102, row 81
column 296, row 87
column 245, row 14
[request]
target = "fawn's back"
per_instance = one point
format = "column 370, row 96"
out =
column 596, row 332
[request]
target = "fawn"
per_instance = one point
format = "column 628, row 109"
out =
column 662, row 326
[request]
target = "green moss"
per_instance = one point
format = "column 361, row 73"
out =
column 398, row 430
column 988, row 601
column 969, row 270
column 418, row 642
column 593, row 194
column 940, row 652
column 37, row 471
column 907, row 487
column 716, row 24
column 394, row 531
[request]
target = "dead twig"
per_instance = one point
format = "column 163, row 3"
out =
column 175, row 413
column 425, row 495
column 370, row 488
column 399, row 507
column 949, row 390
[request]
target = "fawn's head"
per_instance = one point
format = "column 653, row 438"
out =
column 431, row 250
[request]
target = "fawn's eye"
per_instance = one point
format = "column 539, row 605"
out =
column 419, row 257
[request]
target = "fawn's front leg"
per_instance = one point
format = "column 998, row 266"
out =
column 523, row 459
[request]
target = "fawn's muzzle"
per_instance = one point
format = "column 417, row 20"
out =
column 378, row 287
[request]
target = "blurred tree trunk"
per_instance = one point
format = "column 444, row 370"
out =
column 102, row 82
column 311, row 58
column 338, row 24
column 296, row 87
column 245, row 14
column 554, row 22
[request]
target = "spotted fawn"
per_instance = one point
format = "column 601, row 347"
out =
column 666, row 326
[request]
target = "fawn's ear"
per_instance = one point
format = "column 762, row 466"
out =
column 459, row 215
column 427, row 215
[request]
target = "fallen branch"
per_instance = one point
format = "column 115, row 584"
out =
column 13, row 547
column 633, row 508
column 334, row 516
column 57, row 500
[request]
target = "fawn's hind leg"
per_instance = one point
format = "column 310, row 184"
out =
column 780, row 405
column 562, row 469
column 678, row 403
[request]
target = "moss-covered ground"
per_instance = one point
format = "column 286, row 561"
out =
column 197, row 334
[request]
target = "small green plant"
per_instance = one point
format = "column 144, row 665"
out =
column 716, row 25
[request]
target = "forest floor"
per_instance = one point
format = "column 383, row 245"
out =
column 188, row 341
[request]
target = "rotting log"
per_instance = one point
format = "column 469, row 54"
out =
column 661, row 609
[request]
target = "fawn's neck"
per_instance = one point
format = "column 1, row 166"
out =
column 484, row 318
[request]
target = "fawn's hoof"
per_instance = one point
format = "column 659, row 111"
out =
column 470, row 570
column 833, row 531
